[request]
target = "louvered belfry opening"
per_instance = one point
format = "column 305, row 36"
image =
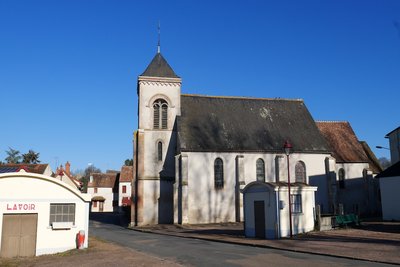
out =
column 160, row 116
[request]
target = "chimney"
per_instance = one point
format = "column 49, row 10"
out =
column 68, row 168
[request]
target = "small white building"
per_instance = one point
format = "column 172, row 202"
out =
column 103, row 187
column 40, row 215
column 389, row 181
column 125, row 186
column 266, row 209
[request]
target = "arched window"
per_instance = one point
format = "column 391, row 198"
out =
column 218, row 173
column 159, row 151
column 160, row 115
column 260, row 170
column 341, row 178
column 300, row 172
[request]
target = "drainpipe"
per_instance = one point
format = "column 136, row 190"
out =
column 278, row 218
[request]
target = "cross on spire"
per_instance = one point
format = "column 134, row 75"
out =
column 159, row 39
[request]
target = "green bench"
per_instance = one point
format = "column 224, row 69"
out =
column 344, row 220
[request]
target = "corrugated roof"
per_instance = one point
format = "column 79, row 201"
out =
column 246, row 124
column 126, row 174
column 159, row 67
column 103, row 180
column 33, row 168
column 343, row 141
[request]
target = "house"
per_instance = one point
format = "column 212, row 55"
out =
column 40, row 215
column 65, row 176
column 125, row 187
column 352, row 168
column 389, row 181
column 194, row 153
column 44, row 169
column 394, row 143
column 103, row 187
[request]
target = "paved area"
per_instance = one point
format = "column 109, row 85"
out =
column 372, row 241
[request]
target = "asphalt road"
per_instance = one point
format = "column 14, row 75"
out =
column 194, row 252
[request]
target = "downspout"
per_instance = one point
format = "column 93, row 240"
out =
column 278, row 218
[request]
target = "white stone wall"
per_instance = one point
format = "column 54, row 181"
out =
column 354, row 196
column 40, row 191
column 127, row 194
column 105, row 192
column 207, row 204
column 390, row 197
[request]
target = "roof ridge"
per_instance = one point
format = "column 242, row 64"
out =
column 246, row 97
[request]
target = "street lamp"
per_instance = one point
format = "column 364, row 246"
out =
column 381, row 147
column 287, row 147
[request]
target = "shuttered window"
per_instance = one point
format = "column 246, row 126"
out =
column 160, row 114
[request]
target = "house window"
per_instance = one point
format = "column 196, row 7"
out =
column 341, row 178
column 296, row 203
column 94, row 204
column 260, row 170
column 160, row 115
column 159, row 151
column 95, row 189
column 218, row 174
column 300, row 172
column 124, row 189
column 62, row 213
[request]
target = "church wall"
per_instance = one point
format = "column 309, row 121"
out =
column 208, row 204
column 354, row 195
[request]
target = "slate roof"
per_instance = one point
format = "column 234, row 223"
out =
column 392, row 171
column 343, row 141
column 159, row 67
column 103, row 180
column 227, row 124
column 33, row 168
column 126, row 174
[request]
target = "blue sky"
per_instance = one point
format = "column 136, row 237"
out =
column 68, row 68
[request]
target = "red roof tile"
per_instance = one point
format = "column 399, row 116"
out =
column 343, row 141
column 126, row 174
column 103, row 180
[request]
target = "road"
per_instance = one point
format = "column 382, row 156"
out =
column 194, row 252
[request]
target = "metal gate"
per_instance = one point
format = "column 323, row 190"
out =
column 18, row 236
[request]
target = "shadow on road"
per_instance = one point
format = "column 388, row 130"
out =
column 116, row 218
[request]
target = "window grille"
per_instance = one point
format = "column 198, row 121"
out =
column 62, row 213
column 296, row 203
column 160, row 152
column 341, row 178
column 218, row 173
column 300, row 172
column 260, row 169
column 160, row 114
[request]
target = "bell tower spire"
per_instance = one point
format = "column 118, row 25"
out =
column 159, row 39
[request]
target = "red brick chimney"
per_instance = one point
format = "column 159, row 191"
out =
column 68, row 168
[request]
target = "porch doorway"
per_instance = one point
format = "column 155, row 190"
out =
column 259, row 219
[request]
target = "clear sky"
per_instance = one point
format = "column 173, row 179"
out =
column 68, row 68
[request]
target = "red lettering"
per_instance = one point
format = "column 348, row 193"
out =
column 15, row 207
column 33, row 206
column 25, row 206
column 8, row 208
column 20, row 206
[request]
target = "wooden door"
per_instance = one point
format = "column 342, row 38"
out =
column 18, row 238
column 259, row 219
column 101, row 206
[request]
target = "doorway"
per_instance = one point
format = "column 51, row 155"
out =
column 18, row 236
column 259, row 219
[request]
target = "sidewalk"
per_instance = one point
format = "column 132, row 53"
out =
column 373, row 241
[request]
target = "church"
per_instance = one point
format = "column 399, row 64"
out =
column 194, row 154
